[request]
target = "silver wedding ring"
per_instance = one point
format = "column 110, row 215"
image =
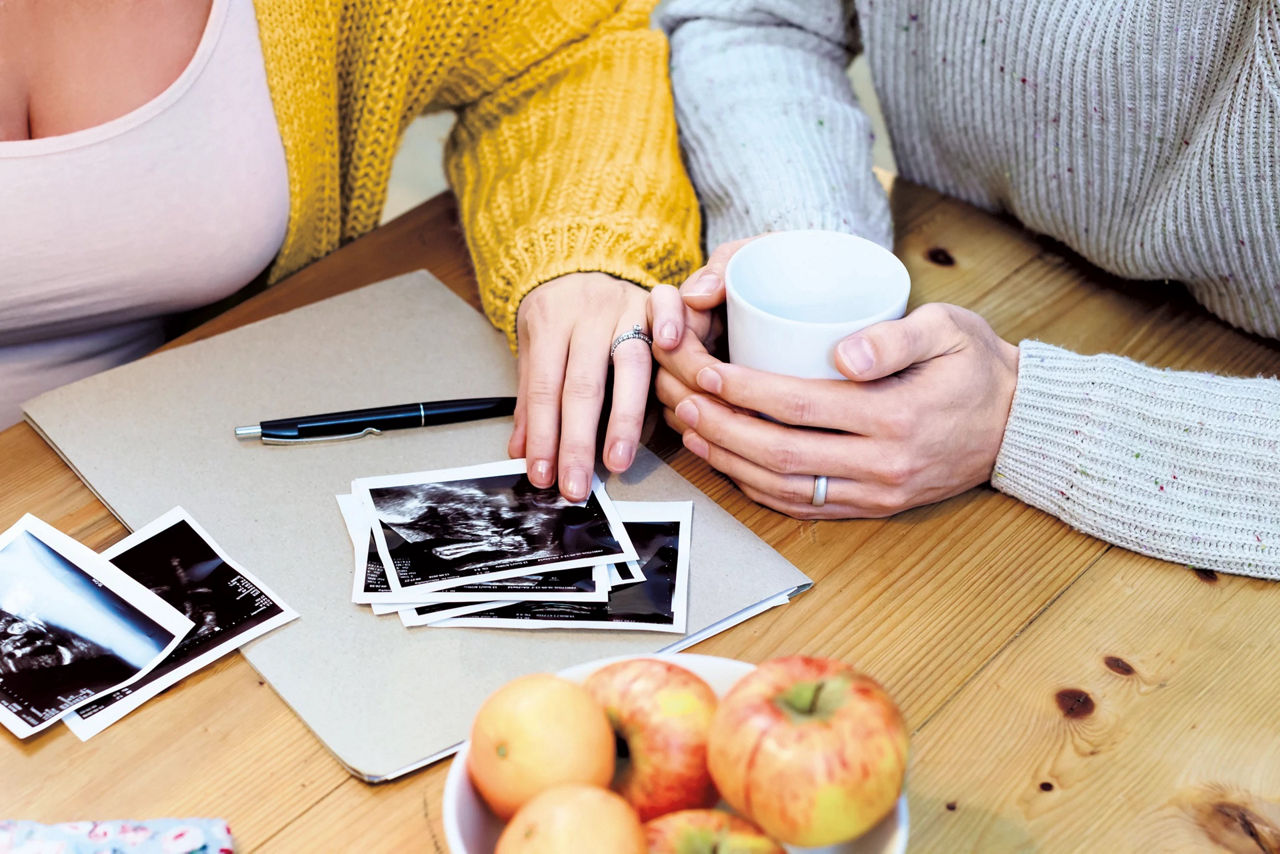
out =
column 637, row 331
column 819, row 490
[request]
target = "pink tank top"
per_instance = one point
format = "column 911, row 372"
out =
column 105, row 231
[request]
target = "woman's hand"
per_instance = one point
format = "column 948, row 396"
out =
column 922, row 419
column 564, row 329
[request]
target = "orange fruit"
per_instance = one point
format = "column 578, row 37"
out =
column 536, row 732
column 574, row 818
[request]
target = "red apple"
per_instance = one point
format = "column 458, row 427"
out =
column 662, row 713
column 809, row 749
column 706, row 832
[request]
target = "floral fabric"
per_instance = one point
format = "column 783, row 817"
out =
column 160, row 836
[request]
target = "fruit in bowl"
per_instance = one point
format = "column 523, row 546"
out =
column 536, row 732
column 809, row 749
column 573, row 818
column 661, row 713
column 706, row 832
column 472, row 827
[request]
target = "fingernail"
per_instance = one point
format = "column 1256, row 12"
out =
column 575, row 485
column 710, row 380
column 696, row 444
column 704, row 284
column 541, row 473
column 667, row 334
column 857, row 354
column 687, row 412
column 621, row 454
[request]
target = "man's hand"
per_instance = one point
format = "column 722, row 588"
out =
column 921, row 420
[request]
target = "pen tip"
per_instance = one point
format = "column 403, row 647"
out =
column 252, row 432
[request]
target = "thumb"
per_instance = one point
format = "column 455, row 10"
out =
column 894, row 345
column 705, row 288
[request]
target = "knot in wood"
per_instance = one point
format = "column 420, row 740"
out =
column 1074, row 703
column 941, row 257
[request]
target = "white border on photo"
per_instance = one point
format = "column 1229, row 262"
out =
column 358, row 525
column 109, row 576
column 86, row 728
column 353, row 516
column 634, row 574
column 598, row 593
column 631, row 511
column 411, row 618
column 503, row 468
column 383, row 603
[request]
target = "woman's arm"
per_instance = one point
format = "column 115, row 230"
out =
column 770, row 127
column 567, row 169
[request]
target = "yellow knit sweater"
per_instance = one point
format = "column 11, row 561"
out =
column 564, row 157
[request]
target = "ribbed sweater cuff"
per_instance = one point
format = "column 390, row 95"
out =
column 1176, row 465
column 640, row 252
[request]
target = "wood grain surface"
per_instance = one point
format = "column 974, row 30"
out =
column 1063, row 695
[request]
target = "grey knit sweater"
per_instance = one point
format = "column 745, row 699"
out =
column 1145, row 134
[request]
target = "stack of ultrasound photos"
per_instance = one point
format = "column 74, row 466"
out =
column 86, row 638
column 482, row 547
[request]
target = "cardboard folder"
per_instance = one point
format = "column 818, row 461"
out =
column 385, row 699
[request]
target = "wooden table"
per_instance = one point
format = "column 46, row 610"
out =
column 1064, row 695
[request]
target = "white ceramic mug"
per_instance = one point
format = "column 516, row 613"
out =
column 793, row 295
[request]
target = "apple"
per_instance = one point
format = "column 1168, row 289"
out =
column 661, row 713
column 572, row 818
column 809, row 749
column 533, row 733
column 706, row 832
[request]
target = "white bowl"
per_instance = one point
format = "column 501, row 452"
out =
column 470, row 828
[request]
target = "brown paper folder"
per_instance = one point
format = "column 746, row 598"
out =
column 385, row 699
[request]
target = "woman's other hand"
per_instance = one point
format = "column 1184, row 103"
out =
column 564, row 330
column 921, row 420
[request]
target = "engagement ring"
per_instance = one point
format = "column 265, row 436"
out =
column 637, row 331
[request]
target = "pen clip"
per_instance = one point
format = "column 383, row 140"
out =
column 368, row 431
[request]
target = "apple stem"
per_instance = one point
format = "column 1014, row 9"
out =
column 813, row 700
column 802, row 697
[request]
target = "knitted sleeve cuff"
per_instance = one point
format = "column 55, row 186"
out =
column 646, row 253
column 1177, row 465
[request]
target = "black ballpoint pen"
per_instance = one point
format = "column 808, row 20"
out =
column 355, row 423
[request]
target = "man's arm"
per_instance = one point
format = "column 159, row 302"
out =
column 1177, row 465
column 771, row 130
